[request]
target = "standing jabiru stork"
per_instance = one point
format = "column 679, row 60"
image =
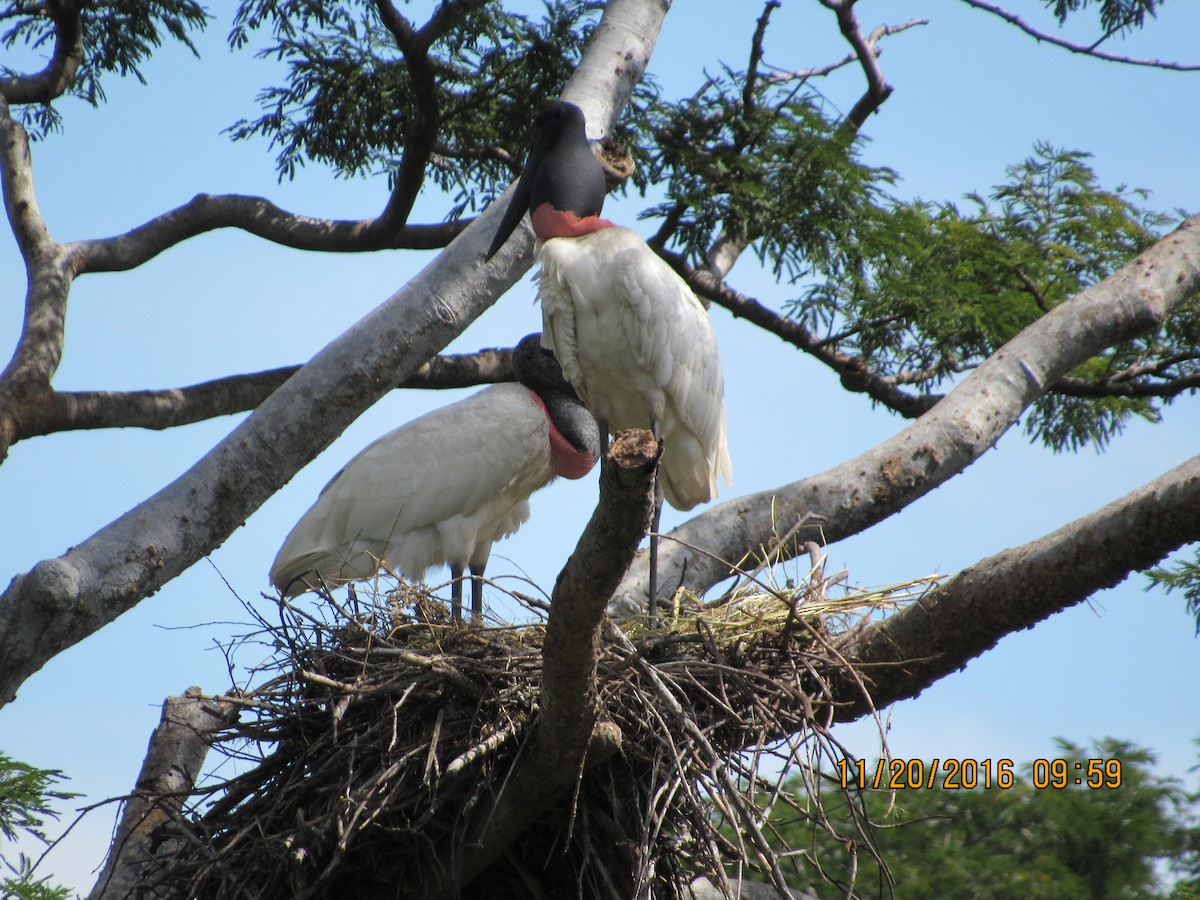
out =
column 444, row 487
column 630, row 335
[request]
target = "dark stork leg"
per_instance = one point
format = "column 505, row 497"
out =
column 652, row 606
column 456, row 576
column 477, row 595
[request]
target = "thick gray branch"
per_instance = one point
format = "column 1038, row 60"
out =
column 169, row 772
column 63, row 600
column 48, row 281
column 856, row 494
column 940, row 633
column 568, row 735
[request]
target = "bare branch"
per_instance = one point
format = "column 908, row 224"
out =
column 59, row 73
column 879, row 32
column 260, row 217
column 48, row 281
column 965, row 424
column 853, row 371
column 1016, row 589
column 1086, row 50
column 878, row 90
column 422, row 131
column 756, row 52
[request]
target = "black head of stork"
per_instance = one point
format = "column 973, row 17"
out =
column 562, row 185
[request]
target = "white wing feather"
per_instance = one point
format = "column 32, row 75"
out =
column 437, row 490
column 636, row 344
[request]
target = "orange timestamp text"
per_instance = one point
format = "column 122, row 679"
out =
column 968, row 774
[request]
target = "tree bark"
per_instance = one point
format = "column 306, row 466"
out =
column 965, row 617
column 169, row 772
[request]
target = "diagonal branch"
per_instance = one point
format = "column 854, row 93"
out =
column 59, row 73
column 966, row 423
column 854, row 373
column 1085, row 49
column 1013, row 590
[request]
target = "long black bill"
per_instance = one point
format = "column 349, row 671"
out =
column 519, row 204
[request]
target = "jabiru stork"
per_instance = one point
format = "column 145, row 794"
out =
column 630, row 336
column 444, row 487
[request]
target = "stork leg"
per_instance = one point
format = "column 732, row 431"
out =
column 456, row 576
column 477, row 595
column 652, row 606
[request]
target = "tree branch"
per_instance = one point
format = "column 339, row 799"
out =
column 1084, row 49
column 73, row 411
column 422, row 131
column 1114, row 387
column 48, row 281
column 854, row 373
column 966, row 616
column 958, row 430
column 568, row 727
column 177, row 749
column 260, row 217
column 879, row 32
column 59, row 73
column 63, row 600
column 878, row 90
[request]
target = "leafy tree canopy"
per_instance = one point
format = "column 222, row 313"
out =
column 1019, row 842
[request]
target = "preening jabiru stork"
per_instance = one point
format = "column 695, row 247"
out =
column 444, row 487
column 630, row 335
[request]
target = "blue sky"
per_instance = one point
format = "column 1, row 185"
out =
column 972, row 95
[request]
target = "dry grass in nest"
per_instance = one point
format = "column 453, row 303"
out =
column 373, row 741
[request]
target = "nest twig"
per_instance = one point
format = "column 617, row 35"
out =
column 374, row 740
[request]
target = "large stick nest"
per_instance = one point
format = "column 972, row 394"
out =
column 375, row 741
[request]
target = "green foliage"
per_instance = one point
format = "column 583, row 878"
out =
column 1115, row 15
column 118, row 36
column 350, row 97
column 1020, row 842
column 920, row 291
column 1183, row 575
column 25, row 797
column 778, row 167
column 938, row 289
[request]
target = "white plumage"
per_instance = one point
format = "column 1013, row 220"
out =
column 439, row 490
column 443, row 488
column 637, row 346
